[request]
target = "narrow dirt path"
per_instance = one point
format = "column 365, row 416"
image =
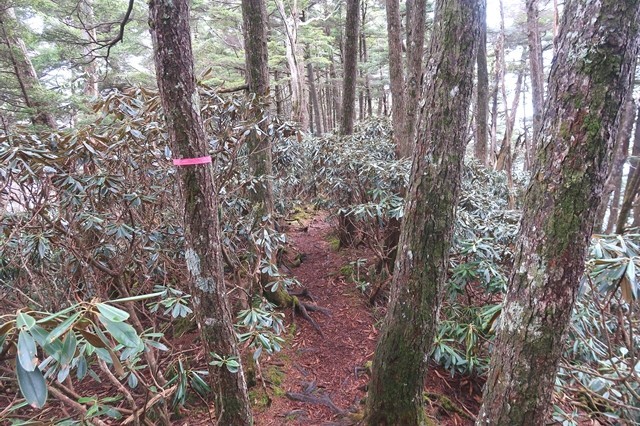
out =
column 322, row 370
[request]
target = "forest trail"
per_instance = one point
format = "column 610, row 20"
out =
column 324, row 369
column 320, row 379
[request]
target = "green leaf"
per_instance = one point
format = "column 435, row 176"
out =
column 81, row 368
column 122, row 332
column 32, row 386
column 232, row 365
column 132, row 381
column 63, row 327
column 57, row 314
column 25, row 321
column 69, row 346
column 112, row 313
column 63, row 373
column 27, row 351
column 156, row 344
column 39, row 334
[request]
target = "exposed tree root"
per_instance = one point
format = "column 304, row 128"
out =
column 308, row 397
column 283, row 299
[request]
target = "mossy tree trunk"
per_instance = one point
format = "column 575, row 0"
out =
column 170, row 32
column 401, row 357
column 589, row 80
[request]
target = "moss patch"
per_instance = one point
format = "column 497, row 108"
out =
column 334, row 241
column 445, row 404
column 275, row 377
column 259, row 398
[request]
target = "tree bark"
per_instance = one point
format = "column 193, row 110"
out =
column 611, row 192
column 352, row 31
column 89, row 35
column 415, row 51
column 498, row 73
column 30, row 87
column 170, row 33
column 536, row 65
column 597, row 44
column 299, row 103
column 313, row 93
column 633, row 183
column 396, row 77
column 400, row 361
column 482, row 101
column 503, row 161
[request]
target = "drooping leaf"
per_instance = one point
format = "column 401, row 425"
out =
column 122, row 332
column 32, row 386
column 69, row 345
column 27, row 351
column 63, row 327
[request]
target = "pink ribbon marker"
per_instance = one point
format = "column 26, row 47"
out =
column 191, row 161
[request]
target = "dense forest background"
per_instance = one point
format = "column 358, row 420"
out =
column 446, row 146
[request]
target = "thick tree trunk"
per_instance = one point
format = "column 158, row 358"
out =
column 352, row 31
column 396, row 76
column 400, row 362
column 482, row 101
column 597, row 44
column 536, row 65
column 169, row 22
column 30, row 87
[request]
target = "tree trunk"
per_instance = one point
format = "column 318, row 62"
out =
column 503, row 161
column 396, row 76
column 169, row 22
column 497, row 74
column 30, row 87
column 415, row 51
column 633, row 182
column 482, row 101
column 89, row 35
column 612, row 185
column 597, row 44
column 352, row 31
column 313, row 92
column 254, row 17
column 536, row 65
column 299, row 104
column 400, row 362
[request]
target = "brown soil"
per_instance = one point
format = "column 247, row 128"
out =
column 329, row 369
